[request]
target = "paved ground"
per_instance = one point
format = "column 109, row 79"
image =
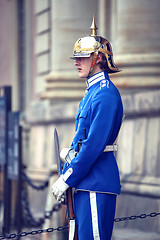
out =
column 134, row 234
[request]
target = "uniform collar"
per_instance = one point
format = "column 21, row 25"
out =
column 96, row 78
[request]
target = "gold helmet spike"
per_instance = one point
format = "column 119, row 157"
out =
column 93, row 28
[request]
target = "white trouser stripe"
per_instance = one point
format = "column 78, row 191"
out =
column 94, row 216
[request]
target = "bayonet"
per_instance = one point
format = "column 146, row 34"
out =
column 72, row 224
column 57, row 152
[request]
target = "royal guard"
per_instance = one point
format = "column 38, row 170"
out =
column 91, row 168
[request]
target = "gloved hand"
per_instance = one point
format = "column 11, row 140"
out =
column 58, row 188
column 67, row 154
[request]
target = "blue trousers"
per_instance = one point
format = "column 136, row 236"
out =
column 94, row 215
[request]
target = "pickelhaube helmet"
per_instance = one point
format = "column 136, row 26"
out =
column 93, row 43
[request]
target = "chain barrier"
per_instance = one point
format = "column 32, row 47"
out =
column 29, row 220
column 134, row 217
column 34, row 232
column 61, row 228
column 31, row 184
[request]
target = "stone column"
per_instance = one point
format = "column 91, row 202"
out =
column 136, row 48
column 136, row 42
column 69, row 20
column 105, row 13
column 14, row 57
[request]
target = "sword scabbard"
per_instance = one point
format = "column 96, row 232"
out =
column 71, row 214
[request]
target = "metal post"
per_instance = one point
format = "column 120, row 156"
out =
column 5, row 94
column 19, row 197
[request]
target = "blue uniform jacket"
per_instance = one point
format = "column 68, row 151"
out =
column 100, row 113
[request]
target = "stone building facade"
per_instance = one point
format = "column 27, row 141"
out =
column 36, row 42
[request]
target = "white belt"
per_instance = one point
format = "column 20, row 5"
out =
column 111, row 148
column 68, row 154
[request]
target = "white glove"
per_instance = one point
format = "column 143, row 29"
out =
column 59, row 187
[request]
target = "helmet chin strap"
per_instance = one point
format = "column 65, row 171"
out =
column 96, row 48
column 93, row 63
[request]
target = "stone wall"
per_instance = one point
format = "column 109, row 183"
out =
column 53, row 89
column 132, row 27
column 139, row 158
column 138, row 151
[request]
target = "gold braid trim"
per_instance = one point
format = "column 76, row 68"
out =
column 102, row 50
column 78, row 49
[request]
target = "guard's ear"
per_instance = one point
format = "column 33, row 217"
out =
column 99, row 58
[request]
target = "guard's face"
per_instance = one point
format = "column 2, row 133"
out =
column 83, row 65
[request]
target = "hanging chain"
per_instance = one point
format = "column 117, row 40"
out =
column 134, row 217
column 31, row 184
column 34, row 232
column 31, row 222
column 61, row 228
